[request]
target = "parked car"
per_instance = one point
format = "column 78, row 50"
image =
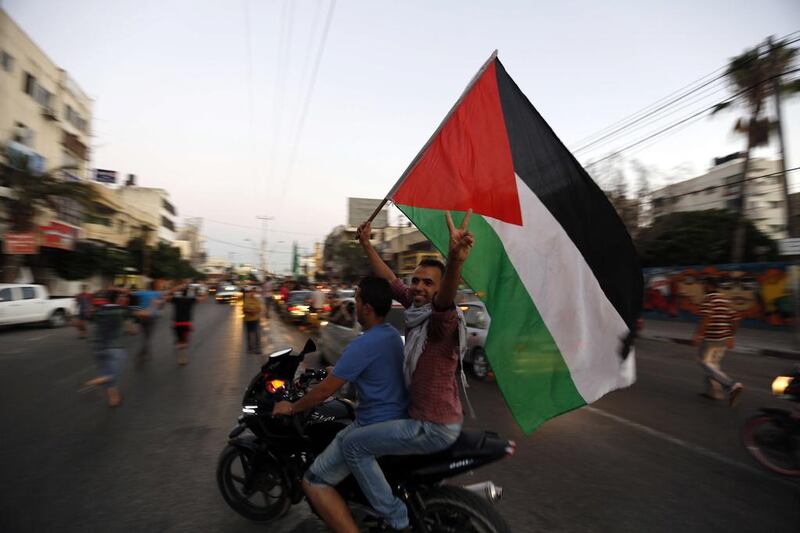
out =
column 227, row 292
column 342, row 327
column 27, row 304
column 477, row 321
column 297, row 306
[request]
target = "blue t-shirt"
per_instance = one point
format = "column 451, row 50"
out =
column 373, row 363
column 146, row 298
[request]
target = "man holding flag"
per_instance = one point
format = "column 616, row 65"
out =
column 434, row 348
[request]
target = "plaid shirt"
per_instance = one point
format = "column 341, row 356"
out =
column 433, row 393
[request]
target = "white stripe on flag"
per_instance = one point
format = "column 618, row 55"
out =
column 582, row 321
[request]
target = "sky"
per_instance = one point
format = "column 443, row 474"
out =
column 247, row 108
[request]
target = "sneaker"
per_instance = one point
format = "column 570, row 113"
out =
column 734, row 393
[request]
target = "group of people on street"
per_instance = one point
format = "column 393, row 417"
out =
column 111, row 309
column 408, row 394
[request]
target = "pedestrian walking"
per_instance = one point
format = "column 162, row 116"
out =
column 84, row 302
column 109, row 320
column 252, row 308
column 714, row 335
column 150, row 302
column 183, row 299
column 269, row 289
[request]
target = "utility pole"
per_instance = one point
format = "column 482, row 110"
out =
column 264, row 219
column 776, row 91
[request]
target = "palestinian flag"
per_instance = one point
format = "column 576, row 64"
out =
column 552, row 260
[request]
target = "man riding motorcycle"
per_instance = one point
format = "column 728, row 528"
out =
column 373, row 363
column 435, row 340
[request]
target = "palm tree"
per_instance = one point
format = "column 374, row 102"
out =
column 31, row 194
column 755, row 76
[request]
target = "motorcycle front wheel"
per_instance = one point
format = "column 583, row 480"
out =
column 772, row 445
column 457, row 510
column 254, row 489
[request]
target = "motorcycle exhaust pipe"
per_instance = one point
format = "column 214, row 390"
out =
column 487, row 490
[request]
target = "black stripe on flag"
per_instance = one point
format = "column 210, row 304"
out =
column 543, row 162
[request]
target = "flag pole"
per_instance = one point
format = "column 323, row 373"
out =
column 416, row 159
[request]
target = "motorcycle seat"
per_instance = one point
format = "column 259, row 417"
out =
column 470, row 441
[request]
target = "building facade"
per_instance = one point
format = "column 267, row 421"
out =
column 155, row 203
column 44, row 114
column 719, row 188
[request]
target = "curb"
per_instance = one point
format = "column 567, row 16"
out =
column 745, row 350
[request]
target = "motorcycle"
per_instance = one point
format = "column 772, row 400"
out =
column 773, row 435
column 260, row 471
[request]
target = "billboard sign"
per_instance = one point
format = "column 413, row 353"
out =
column 360, row 209
column 20, row 244
column 105, row 176
column 59, row 235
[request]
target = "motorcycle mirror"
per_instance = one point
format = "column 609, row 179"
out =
column 308, row 348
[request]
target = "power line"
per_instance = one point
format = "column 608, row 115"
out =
column 638, row 117
column 684, row 120
column 257, row 228
column 252, row 248
column 307, row 101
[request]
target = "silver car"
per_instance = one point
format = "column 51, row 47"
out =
column 478, row 321
column 342, row 327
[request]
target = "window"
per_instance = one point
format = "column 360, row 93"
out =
column 69, row 211
column 6, row 295
column 33, row 89
column 168, row 206
column 775, row 204
column 475, row 317
column 344, row 315
column 167, row 223
column 75, row 118
column 7, row 61
column 28, row 293
column 30, row 84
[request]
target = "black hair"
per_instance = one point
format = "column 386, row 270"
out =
column 377, row 293
column 435, row 263
column 711, row 282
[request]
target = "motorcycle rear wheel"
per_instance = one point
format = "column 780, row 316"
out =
column 457, row 510
column 771, row 445
column 268, row 496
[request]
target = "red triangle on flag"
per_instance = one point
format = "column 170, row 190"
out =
column 468, row 163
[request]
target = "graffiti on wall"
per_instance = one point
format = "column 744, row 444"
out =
column 760, row 292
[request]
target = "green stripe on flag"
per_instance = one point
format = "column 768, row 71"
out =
column 529, row 368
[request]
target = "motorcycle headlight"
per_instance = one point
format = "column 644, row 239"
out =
column 780, row 384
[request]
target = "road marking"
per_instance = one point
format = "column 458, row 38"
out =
column 689, row 446
column 40, row 337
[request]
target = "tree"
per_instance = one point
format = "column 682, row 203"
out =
column 643, row 191
column 31, row 193
column 351, row 260
column 755, row 76
column 700, row 238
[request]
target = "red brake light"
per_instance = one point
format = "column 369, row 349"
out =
column 327, row 308
column 290, row 308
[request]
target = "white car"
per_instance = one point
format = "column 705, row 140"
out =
column 22, row 303
column 342, row 327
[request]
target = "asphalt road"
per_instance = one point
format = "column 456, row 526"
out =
column 655, row 457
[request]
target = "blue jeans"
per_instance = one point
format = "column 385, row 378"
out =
column 355, row 448
column 394, row 437
column 109, row 362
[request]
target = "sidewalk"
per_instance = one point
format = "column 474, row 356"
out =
column 753, row 341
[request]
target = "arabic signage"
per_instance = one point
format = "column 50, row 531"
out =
column 59, row 235
column 105, row 176
column 20, row 244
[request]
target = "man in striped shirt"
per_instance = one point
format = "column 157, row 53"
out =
column 718, row 321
